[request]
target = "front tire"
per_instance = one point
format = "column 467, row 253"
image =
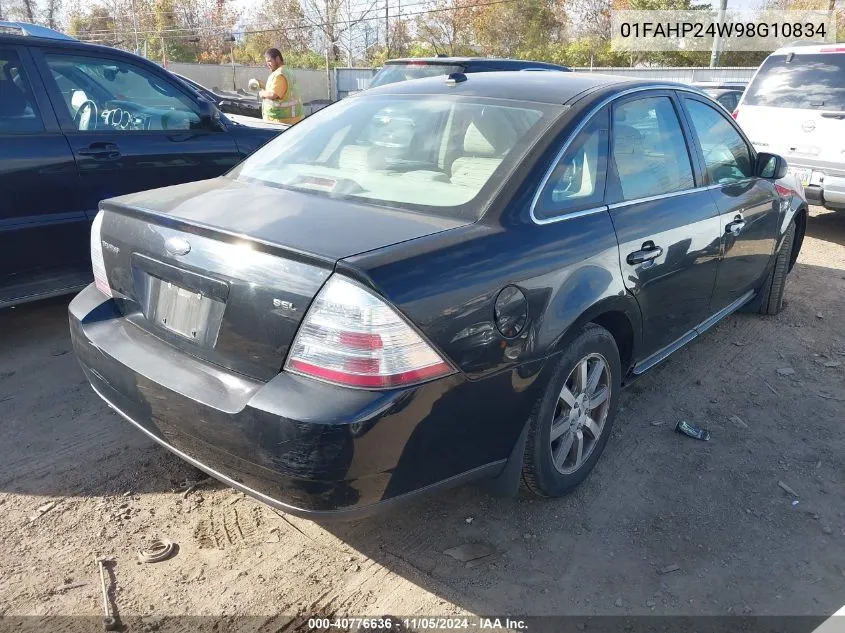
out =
column 571, row 423
column 771, row 301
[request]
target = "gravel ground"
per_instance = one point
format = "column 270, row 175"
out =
column 665, row 525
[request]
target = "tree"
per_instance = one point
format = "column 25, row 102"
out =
column 447, row 27
column 336, row 20
column 52, row 13
column 97, row 24
column 503, row 30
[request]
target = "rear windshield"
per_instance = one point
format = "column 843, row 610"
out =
column 442, row 154
column 806, row 81
column 392, row 73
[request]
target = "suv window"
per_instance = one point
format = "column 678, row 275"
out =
column 649, row 150
column 393, row 73
column 726, row 154
column 105, row 94
column 577, row 181
column 805, row 81
column 18, row 112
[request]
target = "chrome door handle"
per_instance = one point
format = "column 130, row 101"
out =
column 735, row 227
column 648, row 252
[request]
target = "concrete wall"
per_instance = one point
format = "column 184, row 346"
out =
column 312, row 83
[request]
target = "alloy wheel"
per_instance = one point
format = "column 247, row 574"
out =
column 580, row 413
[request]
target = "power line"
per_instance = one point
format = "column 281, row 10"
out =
column 308, row 25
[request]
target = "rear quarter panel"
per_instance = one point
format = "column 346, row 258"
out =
column 447, row 286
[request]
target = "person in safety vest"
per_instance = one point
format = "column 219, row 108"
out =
column 280, row 101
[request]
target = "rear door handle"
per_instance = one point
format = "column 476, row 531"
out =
column 647, row 253
column 735, row 227
column 101, row 151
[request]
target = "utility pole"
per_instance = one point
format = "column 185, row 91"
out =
column 348, row 34
column 231, row 40
column 135, row 28
column 716, row 53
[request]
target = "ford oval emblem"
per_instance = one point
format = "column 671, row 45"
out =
column 177, row 246
column 809, row 125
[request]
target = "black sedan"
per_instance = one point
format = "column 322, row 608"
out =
column 436, row 281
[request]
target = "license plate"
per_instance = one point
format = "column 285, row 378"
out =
column 185, row 312
column 802, row 174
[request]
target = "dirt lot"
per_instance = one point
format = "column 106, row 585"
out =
column 656, row 499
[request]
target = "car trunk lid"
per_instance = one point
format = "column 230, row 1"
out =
column 225, row 270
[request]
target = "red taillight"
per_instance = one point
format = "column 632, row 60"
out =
column 833, row 49
column 735, row 114
column 783, row 191
column 353, row 338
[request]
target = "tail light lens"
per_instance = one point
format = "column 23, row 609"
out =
column 783, row 191
column 735, row 114
column 351, row 337
column 98, row 265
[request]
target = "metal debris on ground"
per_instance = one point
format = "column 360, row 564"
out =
column 670, row 568
column 42, row 510
column 795, row 502
column 656, row 422
column 787, row 489
column 468, row 520
column 109, row 621
column 468, row 552
column 159, row 550
column 786, row 371
column 693, row 431
column 773, row 390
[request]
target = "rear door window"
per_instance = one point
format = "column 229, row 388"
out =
column 18, row 112
column 578, row 180
column 814, row 81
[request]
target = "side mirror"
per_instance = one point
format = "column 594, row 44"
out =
column 209, row 115
column 771, row 166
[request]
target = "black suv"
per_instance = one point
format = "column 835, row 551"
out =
column 80, row 123
column 418, row 67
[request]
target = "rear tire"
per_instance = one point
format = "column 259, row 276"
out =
column 577, row 410
column 771, row 301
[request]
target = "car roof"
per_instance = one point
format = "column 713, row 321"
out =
column 73, row 44
column 810, row 48
column 551, row 88
column 491, row 61
column 26, row 29
column 732, row 85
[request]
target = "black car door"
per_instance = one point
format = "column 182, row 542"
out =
column 131, row 127
column 667, row 226
column 43, row 226
column 748, row 205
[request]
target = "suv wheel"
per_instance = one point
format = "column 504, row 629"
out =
column 772, row 291
column 571, row 423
